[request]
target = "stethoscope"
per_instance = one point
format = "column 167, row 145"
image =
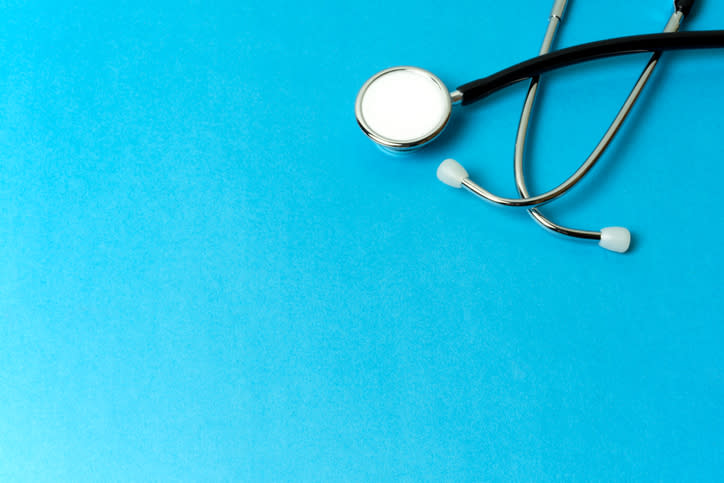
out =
column 404, row 108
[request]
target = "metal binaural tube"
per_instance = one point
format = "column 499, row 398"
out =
column 532, row 201
column 671, row 26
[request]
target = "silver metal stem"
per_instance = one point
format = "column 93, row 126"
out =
column 558, row 8
column 671, row 26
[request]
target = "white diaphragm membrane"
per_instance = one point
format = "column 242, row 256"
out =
column 403, row 107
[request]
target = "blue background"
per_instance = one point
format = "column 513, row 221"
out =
column 209, row 273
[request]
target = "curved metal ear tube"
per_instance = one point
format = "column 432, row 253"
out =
column 613, row 238
column 605, row 236
column 616, row 239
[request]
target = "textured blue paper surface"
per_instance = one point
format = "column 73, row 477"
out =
column 209, row 273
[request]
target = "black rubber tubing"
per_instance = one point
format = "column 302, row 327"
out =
column 706, row 39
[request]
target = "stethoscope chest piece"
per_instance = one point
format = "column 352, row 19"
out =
column 403, row 108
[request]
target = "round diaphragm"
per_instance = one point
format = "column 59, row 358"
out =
column 403, row 108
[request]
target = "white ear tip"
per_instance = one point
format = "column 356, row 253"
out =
column 615, row 238
column 451, row 173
